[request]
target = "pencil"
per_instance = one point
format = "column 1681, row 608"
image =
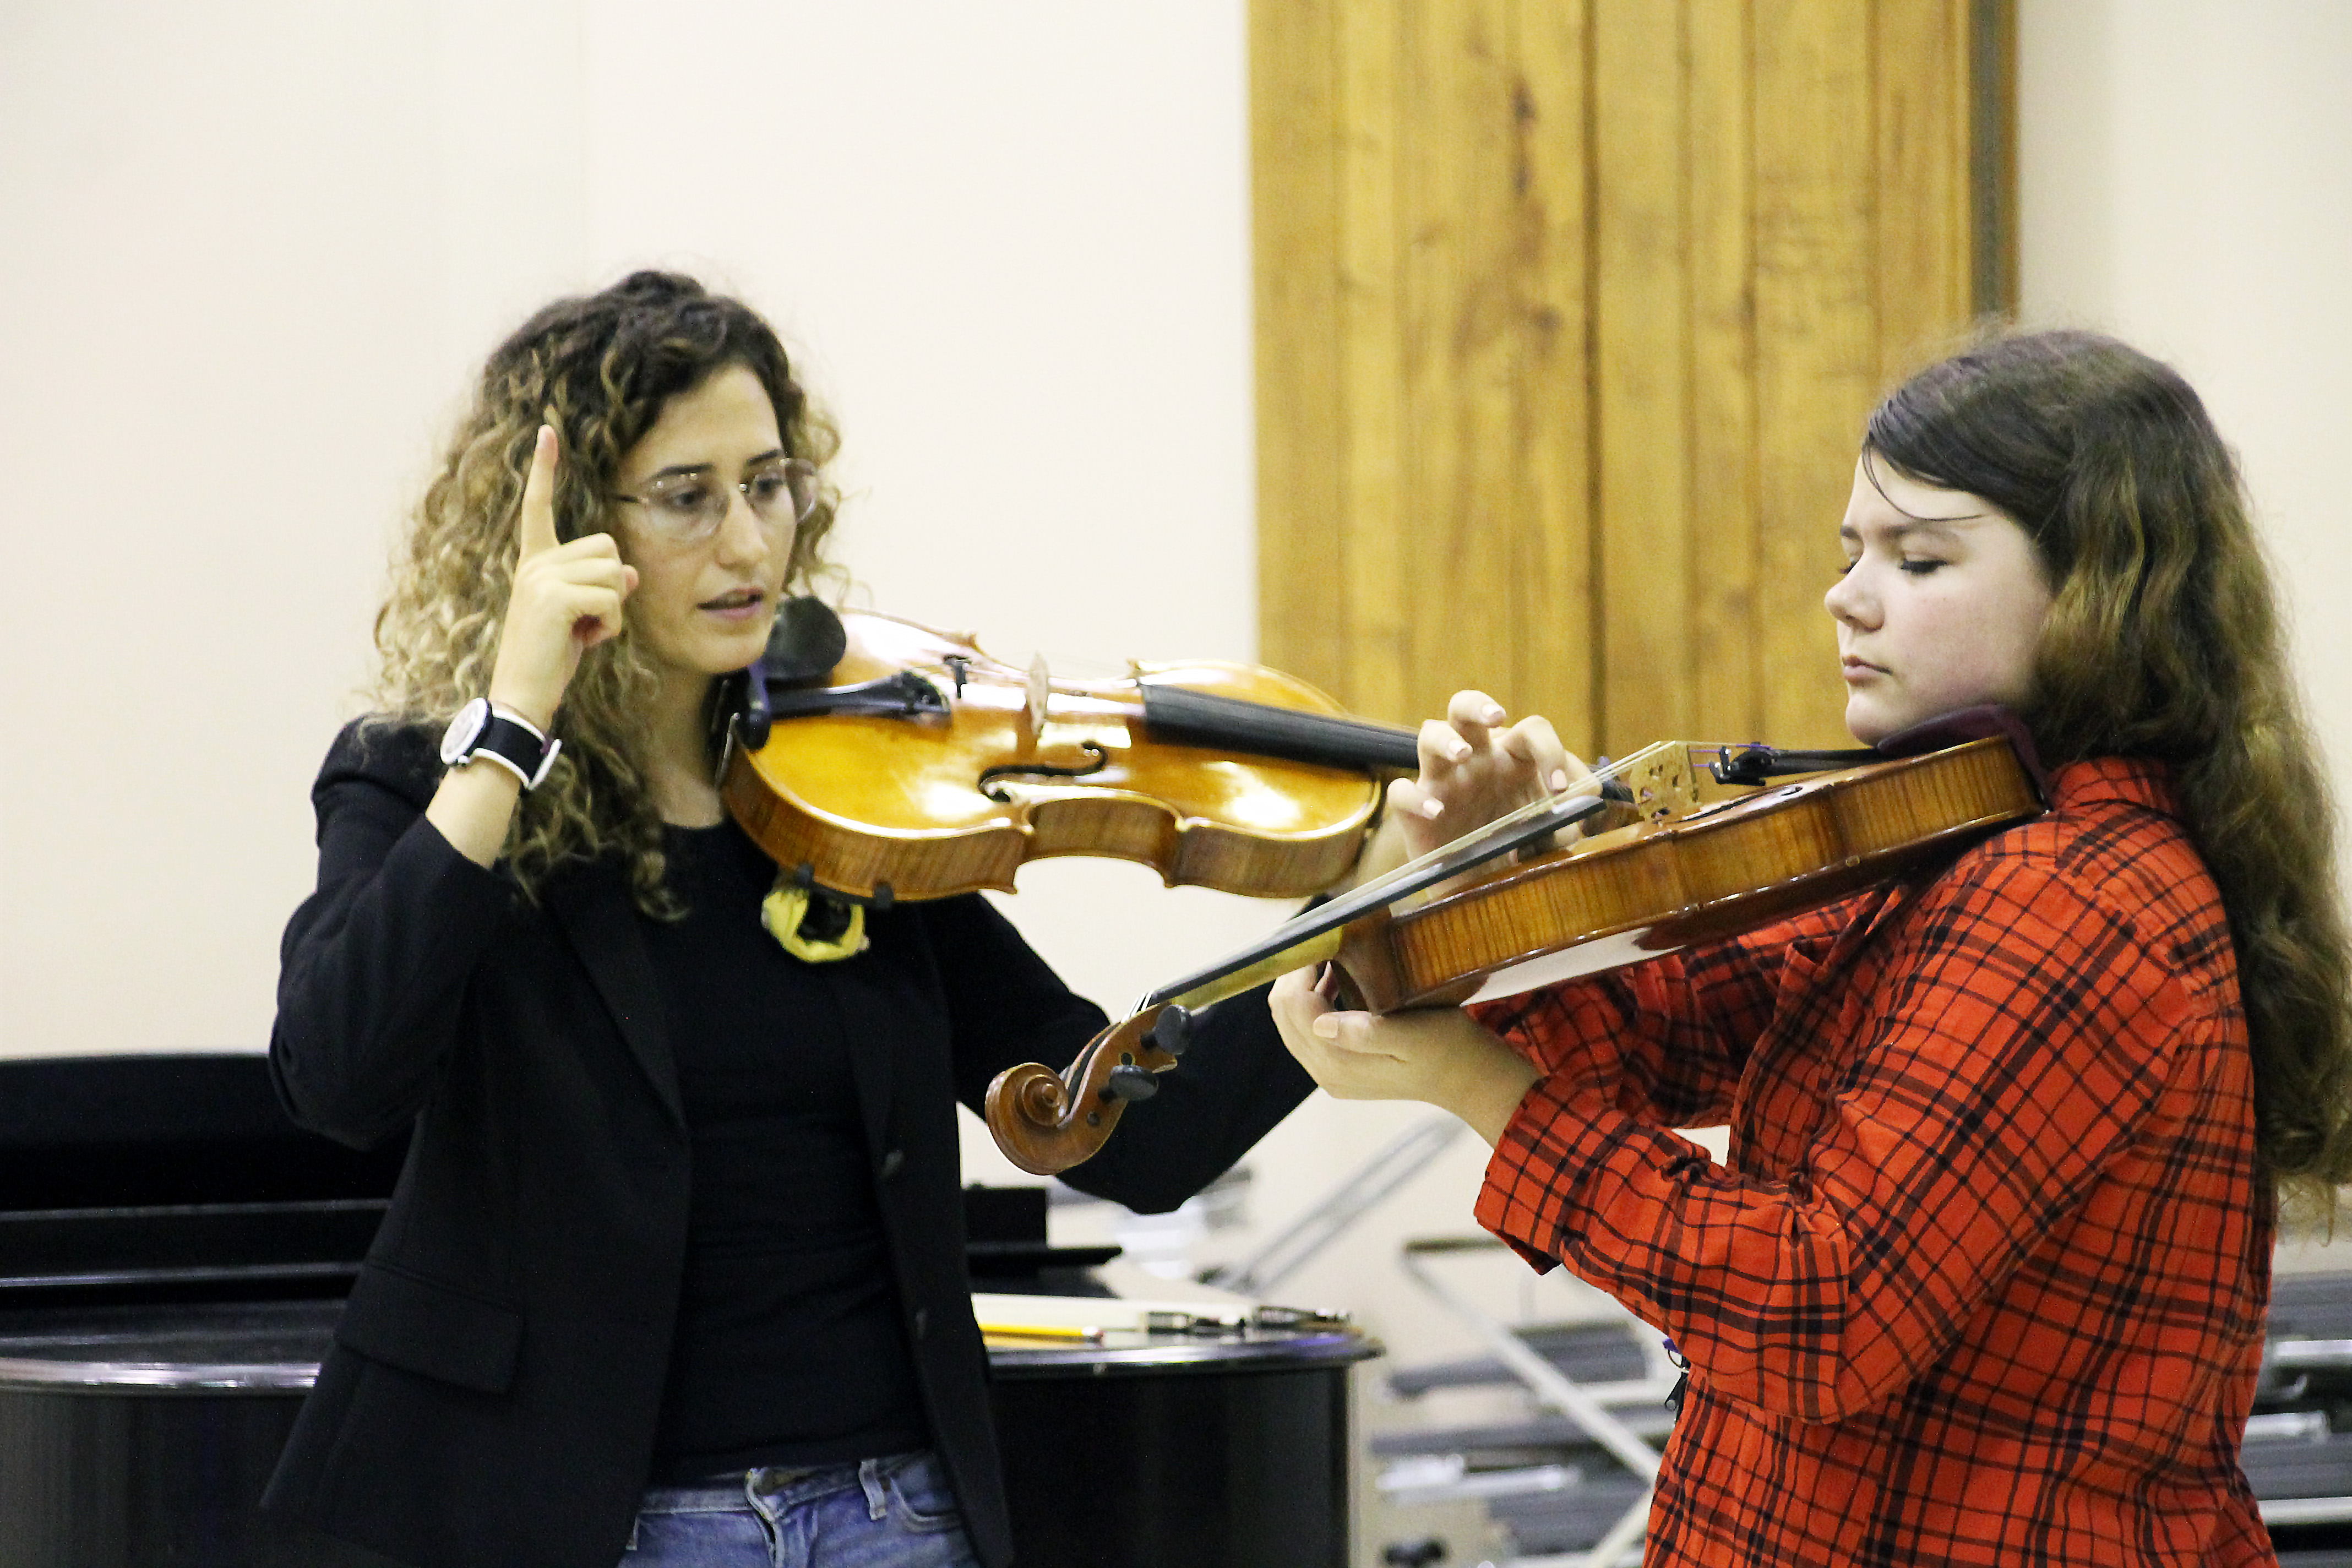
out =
column 1040, row 1331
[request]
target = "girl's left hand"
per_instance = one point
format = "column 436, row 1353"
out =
column 1438, row 1055
column 1473, row 769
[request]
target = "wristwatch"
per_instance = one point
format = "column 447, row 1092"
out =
column 504, row 736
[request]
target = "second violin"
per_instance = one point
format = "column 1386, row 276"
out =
column 1658, row 864
column 876, row 760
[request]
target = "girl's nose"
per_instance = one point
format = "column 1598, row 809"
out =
column 1848, row 600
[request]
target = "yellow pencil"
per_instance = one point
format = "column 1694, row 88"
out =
column 1040, row 1331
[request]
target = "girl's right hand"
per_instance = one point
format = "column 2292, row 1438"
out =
column 1475, row 768
column 566, row 599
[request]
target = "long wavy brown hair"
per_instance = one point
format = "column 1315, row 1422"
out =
column 599, row 368
column 2164, row 641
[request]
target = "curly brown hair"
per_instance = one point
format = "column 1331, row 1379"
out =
column 2164, row 642
column 599, row 368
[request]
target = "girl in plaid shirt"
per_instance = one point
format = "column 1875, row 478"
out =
column 1983, row 1278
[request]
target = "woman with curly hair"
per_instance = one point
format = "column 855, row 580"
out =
column 1983, row 1279
column 674, row 1271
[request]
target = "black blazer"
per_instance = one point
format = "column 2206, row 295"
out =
column 491, row 1395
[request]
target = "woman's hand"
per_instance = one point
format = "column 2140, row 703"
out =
column 1439, row 1055
column 566, row 599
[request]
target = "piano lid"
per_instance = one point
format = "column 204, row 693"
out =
column 173, row 1177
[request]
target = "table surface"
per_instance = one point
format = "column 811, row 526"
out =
column 270, row 1347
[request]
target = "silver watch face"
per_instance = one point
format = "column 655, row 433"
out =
column 465, row 730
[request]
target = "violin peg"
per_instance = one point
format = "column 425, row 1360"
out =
column 1172, row 1031
column 1131, row 1083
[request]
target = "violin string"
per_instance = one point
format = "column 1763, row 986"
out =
column 1527, row 825
column 1547, row 805
column 1080, row 667
column 1496, row 839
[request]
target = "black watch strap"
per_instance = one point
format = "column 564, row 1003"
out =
column 505, row 737
column 518, row 745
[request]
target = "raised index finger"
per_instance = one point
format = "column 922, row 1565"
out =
column 538, row 527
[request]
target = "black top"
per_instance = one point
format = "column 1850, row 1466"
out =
column 788, row 1349
column 499, row 1372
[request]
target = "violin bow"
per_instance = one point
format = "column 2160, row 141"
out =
column 1296, row 944
column 1046, row 1121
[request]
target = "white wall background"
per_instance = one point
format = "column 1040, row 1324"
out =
column 250, row 253
column 2185, row 181
column 254, row 252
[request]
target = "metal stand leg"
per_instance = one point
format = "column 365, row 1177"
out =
column 1283, row 1254
column 1550, row 1387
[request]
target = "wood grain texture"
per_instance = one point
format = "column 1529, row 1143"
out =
column 1993, row 154
column 1570, row 312
column 1726, row 520
column 1553, row 609
column 1817, row 329
column 1640, row 372
column 1295, row 218
column 1377, row 530
column 1920, row 107
column 1459, row 346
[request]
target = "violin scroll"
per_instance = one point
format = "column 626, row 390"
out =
column 1046, row 1121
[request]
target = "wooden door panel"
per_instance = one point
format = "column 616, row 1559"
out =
column 1570, row 312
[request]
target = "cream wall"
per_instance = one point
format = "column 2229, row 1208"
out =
column 2186, row 182
column 254, row 251
column 250, row 252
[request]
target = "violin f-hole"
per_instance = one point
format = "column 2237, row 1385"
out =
column 877, row 768
column 987, row 787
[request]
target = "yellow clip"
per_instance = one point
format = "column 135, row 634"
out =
column 786, row 910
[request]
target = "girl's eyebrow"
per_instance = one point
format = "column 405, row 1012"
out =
column 1898, row 533
column 1870, row 472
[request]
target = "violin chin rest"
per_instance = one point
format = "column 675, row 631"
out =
column 807, row 640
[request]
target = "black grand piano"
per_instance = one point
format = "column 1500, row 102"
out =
column 174, row 1253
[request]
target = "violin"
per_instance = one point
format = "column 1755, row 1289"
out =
column 876, row 760
column 1663, row 861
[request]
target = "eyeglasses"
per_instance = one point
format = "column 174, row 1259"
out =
column 687, row 507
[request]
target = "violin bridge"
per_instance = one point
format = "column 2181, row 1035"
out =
column 1663, row 780
column 1040, row 693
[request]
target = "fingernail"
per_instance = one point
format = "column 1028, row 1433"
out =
column 1461, row 750
column 1432, row 808
column 1559, row 778
column 1495, row 714
column 1326, row 1027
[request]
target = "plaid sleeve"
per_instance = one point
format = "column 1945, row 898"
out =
column 1669, row 1037
column 2018, row 1031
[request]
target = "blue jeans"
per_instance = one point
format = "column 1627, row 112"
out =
column 894, row 1512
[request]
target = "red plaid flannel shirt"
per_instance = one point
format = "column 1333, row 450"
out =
column 1984, row 1279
